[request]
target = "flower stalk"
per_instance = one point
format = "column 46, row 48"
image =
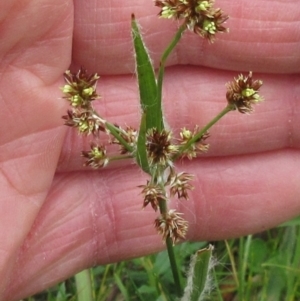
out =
column 163, row 59
column 174, row 266
column 198, row 135
column 115, row 132
column 163, row 207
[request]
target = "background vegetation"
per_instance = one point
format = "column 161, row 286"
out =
column 261, row 267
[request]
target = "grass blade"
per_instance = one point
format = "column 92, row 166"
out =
column 121, row 287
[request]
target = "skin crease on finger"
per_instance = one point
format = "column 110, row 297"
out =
column 95, row 217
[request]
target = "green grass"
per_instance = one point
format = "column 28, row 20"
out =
column 262, row 267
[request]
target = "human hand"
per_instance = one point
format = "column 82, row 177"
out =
column 58, row 217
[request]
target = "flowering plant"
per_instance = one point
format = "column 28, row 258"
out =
column 153, row 146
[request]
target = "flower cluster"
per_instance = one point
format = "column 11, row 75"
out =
column 172, row 225
column 159, row 147
column 198, row 15
column 180, row 184
column 80, row 88
column 242, row 93
column 96, row 157
column 199, row 146
column 86, row 121
column 168, row 224
column 153, row 194
column 80, row 91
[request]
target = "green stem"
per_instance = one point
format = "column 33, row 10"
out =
column 121, row 157
column 198, row 135
column 233, row 265
column 174, row 266
column 163, row 59
column 163, row 207
column 115, row 132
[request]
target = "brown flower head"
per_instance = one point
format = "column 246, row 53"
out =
column 85, row 121
column 80, row 88
column 198, row 147
column 159, row 147
column 171, row 225
column 208, row 26
column 179, row 184
column 243, row 93
column 153, row 195
column 96, row 157
column 199, row 16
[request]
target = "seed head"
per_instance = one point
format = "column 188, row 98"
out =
column 159, row 147
column 80, row 88
column 153, row 195
column 243, row 93
column 198, row 147
column 199, row 16
column 96, row 157
column 210, row 25
column 179, row 184
column 85, row 121
column 171, row 225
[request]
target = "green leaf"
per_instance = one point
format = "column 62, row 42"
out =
column 257, row 254
column 292, row 222
column 141, row 152
column 198, row 280
column 84, row 286
column 146, row 289
column 146, row 81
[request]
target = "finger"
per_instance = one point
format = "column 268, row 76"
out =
column 30, row 66
column 96, row 218
column 28, row 135
column 264, row 37
column 28, row 42
column 194, row 95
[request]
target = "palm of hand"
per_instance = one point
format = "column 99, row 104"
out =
column 57, row 219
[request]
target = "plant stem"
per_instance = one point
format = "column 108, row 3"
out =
column 163, row 59
column 198, row 135
column 174, row 266
column 233, row 265
column 115, row 132
column 121, row 157
column 163, row 207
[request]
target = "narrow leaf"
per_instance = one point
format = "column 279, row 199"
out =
column 146, row 80
column 141, row 152
column 198, row 278
column 122, row 287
